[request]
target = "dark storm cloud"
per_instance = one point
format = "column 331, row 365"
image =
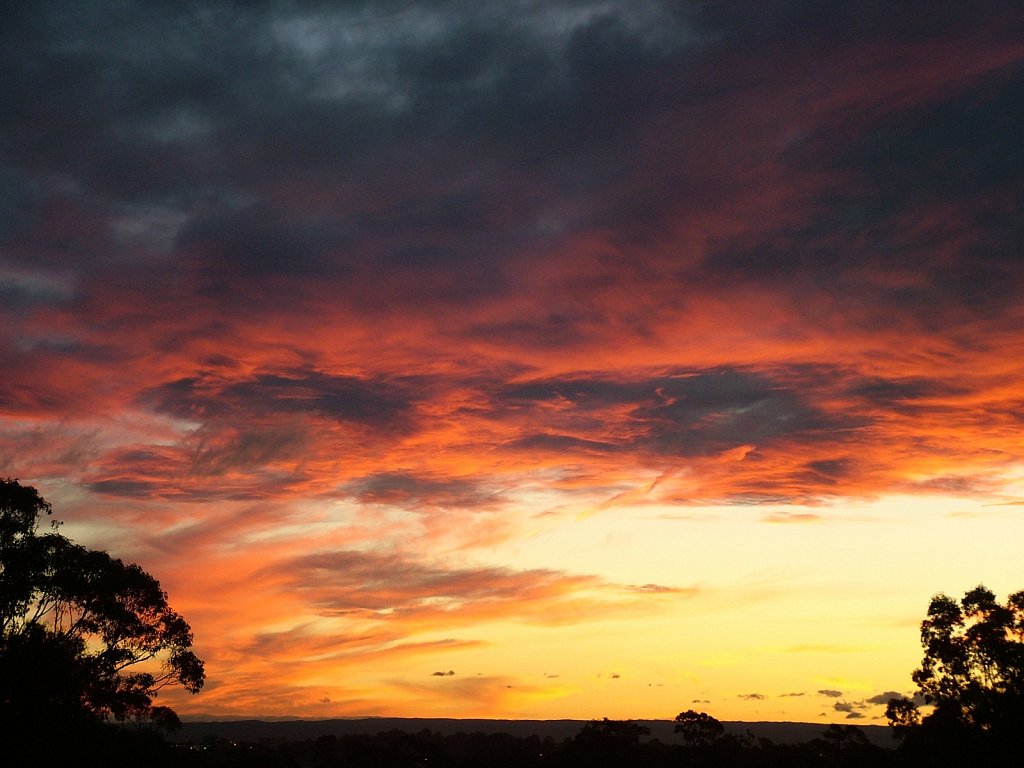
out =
column 914, row 220
column 253, row 436
column 412, row 490
column 958, row 148
column 440, row 141
column 401, row 120
column 241, row 464
column 248, row 447
column 726, row 409
column 256, row 239
column 830, row 469
column 23, row 290
column 136, row 472
column 129, row 488
column 833, row 21
column 113, row 97
column 381, row 403
column 961, row 156
column 688, row 414
column 18, row 194
column 548, row 443
column 929, row 185
column 550, row 331
column 895, row 392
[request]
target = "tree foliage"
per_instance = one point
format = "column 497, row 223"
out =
column 698, row 729
column 903, row 715
column 972, row 672
column 607, row 733
column 607, row 742
column 83, row 635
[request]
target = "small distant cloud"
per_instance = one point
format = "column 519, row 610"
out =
column 852, row 709
column 795, row 517
column 550, row 677
column 753, row 696
column 449, row 673
column 790, row 695
column 883, row 698
column 701, row 701
column 830, row 693
column 615, row 675
column 325, row 700
column 659, row 589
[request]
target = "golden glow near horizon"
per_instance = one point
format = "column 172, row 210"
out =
column 677, row 368
column 777, row 614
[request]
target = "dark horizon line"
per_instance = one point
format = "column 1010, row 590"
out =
column 254, row 730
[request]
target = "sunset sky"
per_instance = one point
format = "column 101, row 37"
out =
column 524, row 359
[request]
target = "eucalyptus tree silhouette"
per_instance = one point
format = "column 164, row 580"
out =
column 604, row 742
column 698, row 729
column 84, row 637
column 972, row 674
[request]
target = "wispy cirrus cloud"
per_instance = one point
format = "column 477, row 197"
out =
column 362, row 583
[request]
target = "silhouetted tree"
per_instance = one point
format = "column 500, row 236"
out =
column 903, row 716
column 844, row 735
column 83, row 636
column 698, row 729
column 604, row 742
column 972, row 673
column 609, row 733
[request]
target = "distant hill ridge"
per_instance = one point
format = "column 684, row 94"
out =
column 279, row 729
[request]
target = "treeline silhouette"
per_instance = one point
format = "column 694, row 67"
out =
column 599, row 743
column 610, row 743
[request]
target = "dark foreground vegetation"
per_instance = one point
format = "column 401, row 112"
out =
column 599, row 743
column 87, row 641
